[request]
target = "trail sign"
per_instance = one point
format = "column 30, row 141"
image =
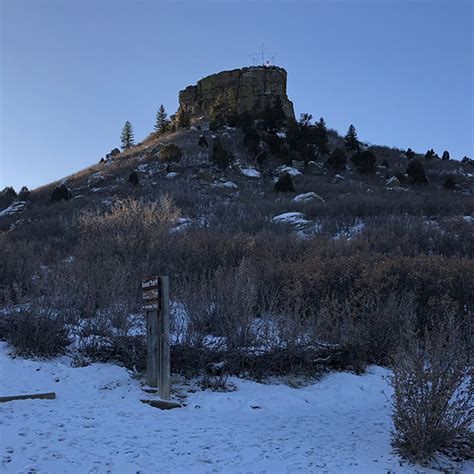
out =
column 153, row 282
column 155, row 304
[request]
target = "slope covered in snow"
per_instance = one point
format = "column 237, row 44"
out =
column 97, row 424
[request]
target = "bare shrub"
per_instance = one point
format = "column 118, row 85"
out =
column 223, row 306
column 366, row 326
column 34, row 333
column 433, row 404
column 116, row 250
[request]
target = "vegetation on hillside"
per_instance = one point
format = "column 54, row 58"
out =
column 384, row 253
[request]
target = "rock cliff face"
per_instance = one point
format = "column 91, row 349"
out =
column 254, row 88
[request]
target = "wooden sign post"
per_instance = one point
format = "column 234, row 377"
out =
column 156, row 306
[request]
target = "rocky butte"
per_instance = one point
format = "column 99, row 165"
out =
column 254, row 88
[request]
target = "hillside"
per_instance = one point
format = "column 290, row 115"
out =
column 293, row 253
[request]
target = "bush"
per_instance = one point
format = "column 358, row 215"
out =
column 133, row 178
column 433, row 405
column 364, row 161
column 252, row 140
column 220, row 156
column 284, row 184
column 202, row 142
column 337, row 159
column 61, row 193
column 450, row 182
column 416, row 172
column 37, row 334
column 170, row 154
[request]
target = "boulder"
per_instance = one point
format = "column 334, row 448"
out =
column 112, row 154
column 95, row 179
column 315, row 169
column 393, row 182
column 295, row 174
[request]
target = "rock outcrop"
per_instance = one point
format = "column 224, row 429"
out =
column 254, row 88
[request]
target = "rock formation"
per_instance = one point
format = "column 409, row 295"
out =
column 254, row 88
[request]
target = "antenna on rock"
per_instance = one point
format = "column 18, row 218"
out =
column 264, row 58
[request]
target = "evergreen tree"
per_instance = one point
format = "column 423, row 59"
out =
column 61, row 193
column 416, row 172
column 445, row 156
column 162, row 123
column 7, row 196
column 410, row 154
column 430, row 154
column 321, row 137
column 220, row 156
column 365, row 161
column 274, row 116
column 183, row 118
column 337, row 159
column 24, row 194
column 284, row 184
column 133, row 178
column 202, row 142
column 127, row 138
column 351, row 142
column 305, row 140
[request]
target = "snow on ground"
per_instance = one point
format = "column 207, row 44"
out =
column 250, row 172
column 98, row 424
column 293, row 218
column 349, row 231
column 306, row 197
column 14, row 208
column 288, row 169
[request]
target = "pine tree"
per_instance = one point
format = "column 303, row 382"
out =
column 410, row 154
column 274, row 116
column 162, row 123
column 183, row 117
column 24, row 194
column 416, row 172
column 351, row 142
column 445, row 156
column 220, row 156
column 284, row 184
column 133, row 178
column 321, row 136
column 365, row 161
column 337, row 159
column 127, row 138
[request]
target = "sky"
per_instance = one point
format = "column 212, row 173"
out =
column 72, row 72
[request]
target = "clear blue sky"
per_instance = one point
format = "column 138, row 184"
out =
column 72, row 71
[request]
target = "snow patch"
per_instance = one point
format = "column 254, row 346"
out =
column 250, row 172
column 97, row 423
column 288, row 169
column 13, row 208
column 293, row 218
column 306, row 197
